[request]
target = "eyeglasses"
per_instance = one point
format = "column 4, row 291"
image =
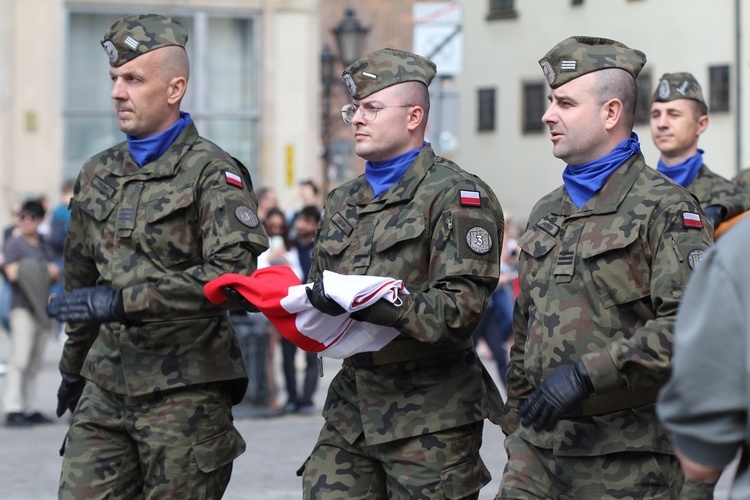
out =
column 31, row 217
column 368, row 110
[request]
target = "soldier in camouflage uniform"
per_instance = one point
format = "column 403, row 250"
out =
column 679, row 115
column 406, row 421
column 603, row 263
column 157, row 367
column 743, row 179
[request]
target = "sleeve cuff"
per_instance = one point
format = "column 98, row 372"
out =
column 707, row 454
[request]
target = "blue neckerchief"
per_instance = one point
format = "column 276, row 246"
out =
column 383, row 174
column 683, row 173
column 147, row 150
column 585, row 180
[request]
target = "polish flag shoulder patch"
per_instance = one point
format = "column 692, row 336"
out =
column 233, row 179
column 470, row 198
column 691, row 219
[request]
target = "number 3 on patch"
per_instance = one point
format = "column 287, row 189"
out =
column 479, row 240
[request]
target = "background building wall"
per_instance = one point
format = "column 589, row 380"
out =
column 499, row 53
column 32, row 34
column 504, row 52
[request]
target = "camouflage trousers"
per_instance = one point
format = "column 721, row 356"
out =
column 175, row 444
column 444, row 464
column 533, row 472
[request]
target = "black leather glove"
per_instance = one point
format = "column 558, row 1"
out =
column 69, row 392
column 97, row 304
column 237, row 300
column 323, row 302
column 716, row 214
column 556, row 397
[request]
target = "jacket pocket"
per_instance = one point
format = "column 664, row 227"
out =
column 94, row 201
column 171, row 224
column 461, row 480
column 217, row 451
column 407, row 226
column 619, row 268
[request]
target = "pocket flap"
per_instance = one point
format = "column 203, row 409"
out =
column 461, row 480
column 169, row 203
column 408, row 226
column 605, row 241
column 218, row 451
column 536, row 243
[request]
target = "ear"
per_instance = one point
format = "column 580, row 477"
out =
column 702, row 124
column 176, row 89
column 612, row 113
column 415, row 118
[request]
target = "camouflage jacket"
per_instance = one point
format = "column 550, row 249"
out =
column 713, row 189
column 602, row 283
column 158, row 234
column 418, row 231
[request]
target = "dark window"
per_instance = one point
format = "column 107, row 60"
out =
column 534, row 106
column 502, row 9
column 643, row 106
column 486, row 111
column 718, row 99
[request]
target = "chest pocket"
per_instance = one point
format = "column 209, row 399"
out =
column 536, row 244
column 406, row 226
column 96, row 199
column 618, row 266
column 332, row 243
column 171, row 234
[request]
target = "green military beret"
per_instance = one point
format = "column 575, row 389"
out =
column 578, row 55
column 133, row 36
column 678, row 86
column 384, row 68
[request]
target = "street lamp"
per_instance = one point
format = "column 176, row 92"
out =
column 350, row 36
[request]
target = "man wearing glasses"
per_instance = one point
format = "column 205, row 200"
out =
column 406, row 421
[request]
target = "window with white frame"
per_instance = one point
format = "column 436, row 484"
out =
column 222, row 97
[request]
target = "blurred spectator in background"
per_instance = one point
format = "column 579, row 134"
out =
column 307, row 194
column 495, row 327
column 59, row 229
column 267, row 200
column 305, row 224
column 30, row 267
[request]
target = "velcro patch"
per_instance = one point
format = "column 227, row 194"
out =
column 470, row 198
column 246, row 216
column 233, row 179
column 477, row 239
column 692, row 219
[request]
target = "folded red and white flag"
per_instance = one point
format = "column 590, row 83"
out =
column 278, row 293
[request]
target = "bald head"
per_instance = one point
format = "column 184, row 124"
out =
column 173, row 62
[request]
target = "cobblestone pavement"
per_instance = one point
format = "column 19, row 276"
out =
column 276, row 447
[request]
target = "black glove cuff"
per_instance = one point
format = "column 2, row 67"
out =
column 583, row 376
column 119, row 307
column 716, row 214
column 70, row 377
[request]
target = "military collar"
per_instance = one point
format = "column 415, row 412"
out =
column 167, row 164
column 361, row 193
column 612, row 193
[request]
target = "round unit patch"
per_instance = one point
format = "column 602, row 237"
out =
column 663, row 89
column 479, row 240
column 549, row 73
column 694, row 258
column 246, row 216
column 111, row 51
column 349, row 81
